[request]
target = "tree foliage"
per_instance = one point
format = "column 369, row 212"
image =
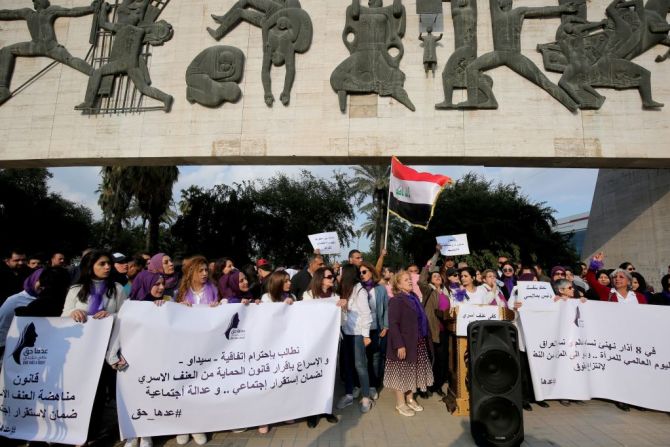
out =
column 371, row 182
column 268, row 218
column 34, row 220
column 498, row 220
column 149, row 188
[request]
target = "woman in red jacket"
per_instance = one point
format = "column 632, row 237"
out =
column 621, row 290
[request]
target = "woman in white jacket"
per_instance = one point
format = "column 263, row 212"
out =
column 356, row 336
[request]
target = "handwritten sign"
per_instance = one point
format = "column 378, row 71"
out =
column 536, row 293
column 599, row 350
column 248, row 365
column 454, row 245
column 49, row 376
column 467, row 313
column 328, row 243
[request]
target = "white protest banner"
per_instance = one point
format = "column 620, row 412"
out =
column 537, row 294
column 327, row 243
column 454, row 245
column 467, row 313
column 201, row 369
column 50, row 373
column 599, row 350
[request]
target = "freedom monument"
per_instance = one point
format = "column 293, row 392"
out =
column 515, row 83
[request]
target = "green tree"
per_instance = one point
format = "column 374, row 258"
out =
column 37, row 221
column 498, row 219
column 150, row 187
column 371, row 182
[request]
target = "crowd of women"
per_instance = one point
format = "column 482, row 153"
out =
column 394, row 324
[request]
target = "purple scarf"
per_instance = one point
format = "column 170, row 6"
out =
column 460, row 295
column 98, row 290
column 210, row 295
column 510, row 282
column 369, row 284
column 327, row 294
column 142, row 284
column 156, row 266
column 29, row 283
column 420, row 314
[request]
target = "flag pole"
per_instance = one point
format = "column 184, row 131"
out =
column 388, row 205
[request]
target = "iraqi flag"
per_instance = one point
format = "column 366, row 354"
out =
column 413, row 194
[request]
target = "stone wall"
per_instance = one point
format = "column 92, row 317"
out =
column 39, row 126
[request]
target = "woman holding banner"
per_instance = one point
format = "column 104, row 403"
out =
column 322, row 287
column 279, row 286
column 162, row 263
column 195, row 287
column 407, row 362
column 621, row 281
column 95, row 295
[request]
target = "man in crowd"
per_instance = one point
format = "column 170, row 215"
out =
column 501, row 261
column 539, row 272
column 120, row 270
column 13, row 271
column 34, row 262
column 263, row 269
column 300, row 282
column 57, row 260
column 355, row 257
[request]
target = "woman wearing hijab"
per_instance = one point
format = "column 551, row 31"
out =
column 195, row 287
column 222, row 268
column 52, row 287
column 378, row 303
column 162, row 263
column 145, row 285
column 23, row 298
column 237, row 289
column 407, row 362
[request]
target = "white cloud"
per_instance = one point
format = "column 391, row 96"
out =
column 79, row 185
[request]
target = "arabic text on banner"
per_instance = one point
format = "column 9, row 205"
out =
column 242, row 366
column 49, row 376
column 599, row 350
column 454, row 245
column 537, row 294
column 467, row 313
column 327, row 243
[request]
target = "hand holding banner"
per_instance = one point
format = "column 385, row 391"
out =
column 454, row 245
column 328, row 243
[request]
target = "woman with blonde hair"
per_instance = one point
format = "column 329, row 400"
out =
column 407, row 363
column 195, row 287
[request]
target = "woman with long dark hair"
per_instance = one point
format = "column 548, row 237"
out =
column 355, row 337
column 96, row 295
column 279, row 286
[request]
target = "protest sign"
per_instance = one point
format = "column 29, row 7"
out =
column 537, row 294
column 454, row 245
column 327, row 243
column 599, row 350
column 467, row 313
column 50, row 373
column 200, row 369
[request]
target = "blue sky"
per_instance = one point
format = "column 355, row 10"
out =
column 568, row 191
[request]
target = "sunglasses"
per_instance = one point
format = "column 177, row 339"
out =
column 328, row 277
column 507, row 270
column 631, row 269
column 559, row 274
column 364, row 272
column 568, row 288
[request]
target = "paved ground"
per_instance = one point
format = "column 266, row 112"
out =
column 597, row 423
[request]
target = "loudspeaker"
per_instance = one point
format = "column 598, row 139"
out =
column 494, row 381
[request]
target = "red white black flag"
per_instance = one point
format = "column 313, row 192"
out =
column 413, row 194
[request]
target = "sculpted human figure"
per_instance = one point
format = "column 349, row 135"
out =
column 43, row 41
column 612, row 69
column 376, row 30
column 507, row 24
column 130, row 35
column 464, row 18
column 212, row 77
column 429, row 50
column 287, row 29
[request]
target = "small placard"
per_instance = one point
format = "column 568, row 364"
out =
column 328, row 243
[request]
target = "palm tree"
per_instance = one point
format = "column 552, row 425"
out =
column 114, row 199
column 149, row 186
column 372, row 182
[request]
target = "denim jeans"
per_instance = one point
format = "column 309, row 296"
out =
column 354, row 359
column 376, row 355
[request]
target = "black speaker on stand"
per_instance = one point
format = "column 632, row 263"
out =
column 494, row 380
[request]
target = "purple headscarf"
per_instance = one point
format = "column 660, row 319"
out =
column 29, row 283
column 224, row 290
column 235, row 295
column 142, row 284
column 156, row 266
